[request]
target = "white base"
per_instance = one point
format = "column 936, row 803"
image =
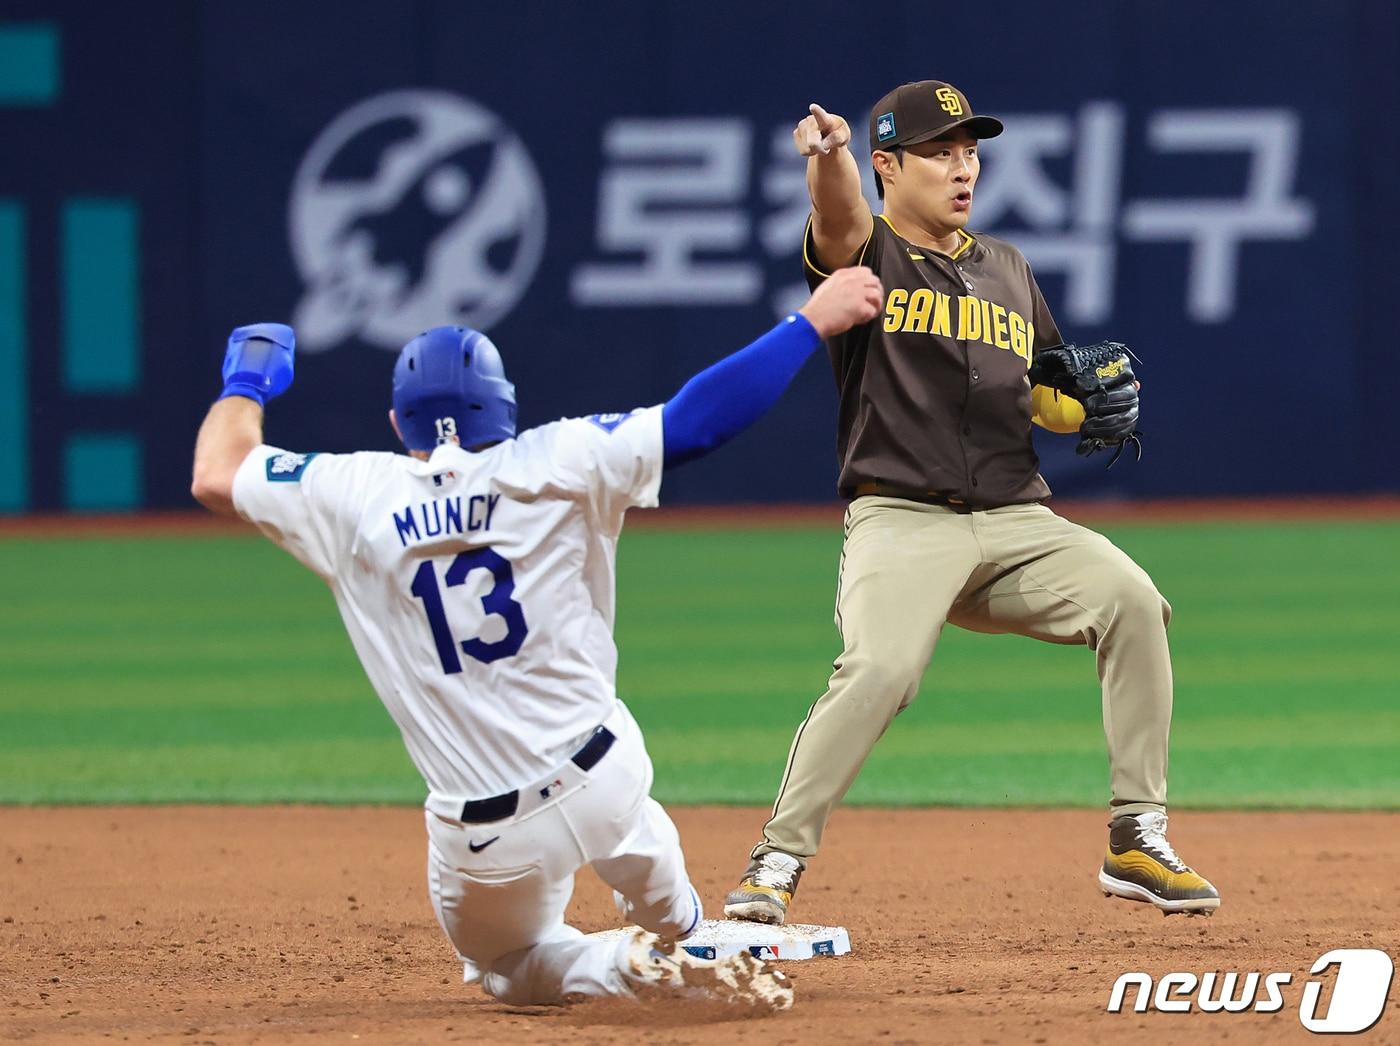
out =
column 718, row 938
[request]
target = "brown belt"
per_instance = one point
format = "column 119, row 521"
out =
column 922, row 497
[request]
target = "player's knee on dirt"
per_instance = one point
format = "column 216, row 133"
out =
column 513, row 991
column 506, row 984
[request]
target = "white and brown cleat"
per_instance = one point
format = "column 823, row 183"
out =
column 766, row 890
column 1142, row 866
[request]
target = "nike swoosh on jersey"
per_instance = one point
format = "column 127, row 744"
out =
column 477, row 849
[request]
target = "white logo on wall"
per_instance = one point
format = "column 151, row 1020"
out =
column 411, row 210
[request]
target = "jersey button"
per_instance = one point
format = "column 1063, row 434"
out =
column 975, row 375
column 974, row 481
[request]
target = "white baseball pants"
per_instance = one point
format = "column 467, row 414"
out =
column 500, row 889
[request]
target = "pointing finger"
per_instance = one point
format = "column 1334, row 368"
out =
column 823, row 117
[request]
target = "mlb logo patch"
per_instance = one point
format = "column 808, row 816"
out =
column 287, row 467
column 884, row 127
column 609, row 422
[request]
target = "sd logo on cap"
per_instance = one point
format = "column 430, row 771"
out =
column 927, row 109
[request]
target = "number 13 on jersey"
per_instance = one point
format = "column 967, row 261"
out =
column 499, row 600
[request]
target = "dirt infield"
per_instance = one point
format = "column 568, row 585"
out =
column 295, row 924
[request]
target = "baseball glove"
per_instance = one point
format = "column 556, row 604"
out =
column 1101, row 378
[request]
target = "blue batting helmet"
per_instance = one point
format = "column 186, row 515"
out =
column 448, row 382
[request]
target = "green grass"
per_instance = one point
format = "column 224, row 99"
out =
column 216, row 669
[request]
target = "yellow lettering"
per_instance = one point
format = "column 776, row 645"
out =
column 920, row 302
column 969, row 319
column 999, row 327
column 894, row 308
column 941, row 324
column 986, row 319
column 1018, row 336
column 1030, row 341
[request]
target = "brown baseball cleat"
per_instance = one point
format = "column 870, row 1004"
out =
column 1142, row 866
column 766, row 890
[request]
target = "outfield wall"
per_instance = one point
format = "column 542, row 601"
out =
column 610, row 190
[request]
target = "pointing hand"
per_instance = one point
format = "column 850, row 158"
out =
column 820, row 132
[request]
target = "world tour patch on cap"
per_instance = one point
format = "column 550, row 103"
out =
column 884, row 127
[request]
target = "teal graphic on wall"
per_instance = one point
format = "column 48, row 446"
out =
column 96, row 270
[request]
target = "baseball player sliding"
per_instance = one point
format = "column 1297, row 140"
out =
column 946, row 521
column 476, row 579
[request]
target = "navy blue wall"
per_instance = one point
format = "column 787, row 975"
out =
column 611, row 191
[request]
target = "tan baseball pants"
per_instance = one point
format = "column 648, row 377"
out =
column 906, row 568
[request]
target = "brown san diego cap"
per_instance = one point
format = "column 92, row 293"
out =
column 916, row 112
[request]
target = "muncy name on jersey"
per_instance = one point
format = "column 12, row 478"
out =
column 441, row 516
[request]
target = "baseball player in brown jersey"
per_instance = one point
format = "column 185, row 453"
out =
column 946, row 521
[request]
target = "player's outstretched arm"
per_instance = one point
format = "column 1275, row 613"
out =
column 723, row 400
column 841, row 219
column 257, row 367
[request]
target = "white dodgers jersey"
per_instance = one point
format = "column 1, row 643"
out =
column 477, row 588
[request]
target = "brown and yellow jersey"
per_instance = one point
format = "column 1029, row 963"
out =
column 934, row 396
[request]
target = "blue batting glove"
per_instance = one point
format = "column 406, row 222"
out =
column 258, row 362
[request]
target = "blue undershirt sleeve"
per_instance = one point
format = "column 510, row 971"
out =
column 721, row 401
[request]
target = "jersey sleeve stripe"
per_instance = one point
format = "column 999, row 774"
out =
column 807, row 250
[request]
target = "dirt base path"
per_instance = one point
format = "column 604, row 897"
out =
column 295, row 924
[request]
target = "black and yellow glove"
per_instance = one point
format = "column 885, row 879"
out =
column 1101, row 378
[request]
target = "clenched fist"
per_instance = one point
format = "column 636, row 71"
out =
column 847, row 298
column 821, row 132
